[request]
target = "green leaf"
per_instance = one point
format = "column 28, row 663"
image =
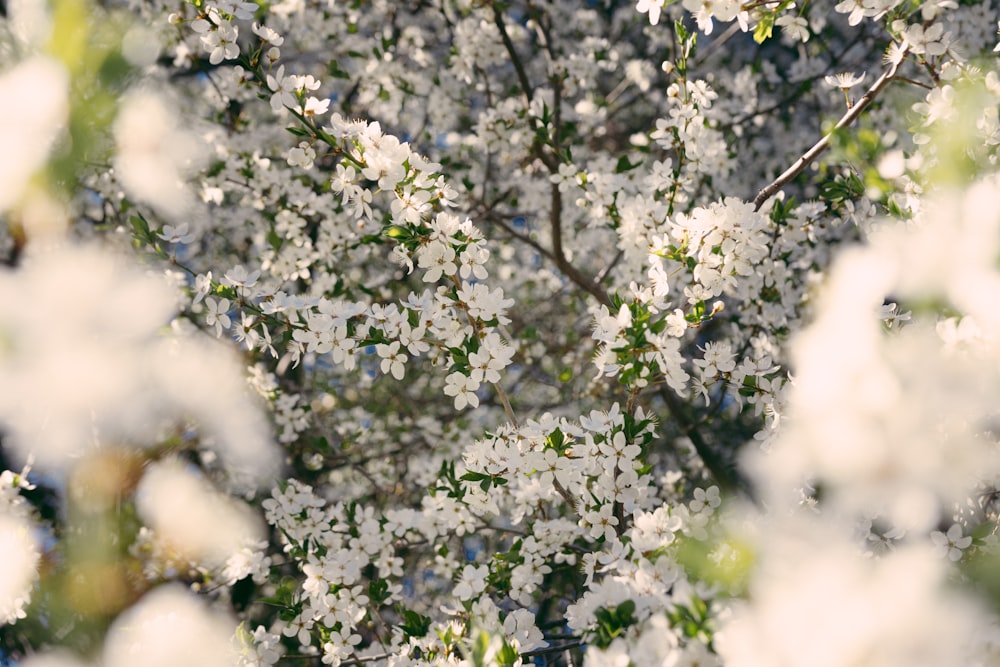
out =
column 611, row 623
column 624, row 165
column 682, row 32
column 414, row 625
column 141, row 227
column 507, row 656
column 764, row 28
column 378, row 590
column 555, row 440
column 980, row 532
column 333, row 69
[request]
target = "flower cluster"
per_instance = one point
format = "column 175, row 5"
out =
column 19, row 545
column 470, row 334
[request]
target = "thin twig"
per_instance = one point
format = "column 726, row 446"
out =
column 553, row 649
column 717, row 43
column 599, row 278
column 920, row 84
column 852, row 114
column 368, row 658
column 551, row 162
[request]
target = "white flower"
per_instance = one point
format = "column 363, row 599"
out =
column 64, row 386
column 844, row 80
column 524, row 635
column 856, row 8
column 170, row 627
column 192, row 518
column 31, row 117
column 393, row 359
column 177, row 234
column 472, row 582
column 261, row 649
column 217, row 314
column 653, row 7
column 315, row 107
column 154, row 154
column 221, row 41
column 463, row 389
column 601, row 522
column 438, row 258
column 929, row 41
column 238, row 276
column 268, row 35
column 952, row 543
column 302, row 156
column 238, row 8
column 795, row 27
column 283, row 90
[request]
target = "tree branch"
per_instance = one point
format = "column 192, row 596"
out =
column 571, row 272
column 847, row 119
column 553, row 649
column 724, row 472
column 522, row 75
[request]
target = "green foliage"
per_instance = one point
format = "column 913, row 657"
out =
column 611, row 623
column 413, row 624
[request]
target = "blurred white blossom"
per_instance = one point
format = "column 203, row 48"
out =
column 85, row 362
column 19, row 547
column 154, row 153
column 823, row 604
column 34, row 111
column 170, row 627
column 191, row 518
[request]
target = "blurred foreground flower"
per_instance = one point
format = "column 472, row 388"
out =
column 191, row 518
column 85, row 364
column 154, row 154
column 33, row 113
column 20, row 562
column 171, row 627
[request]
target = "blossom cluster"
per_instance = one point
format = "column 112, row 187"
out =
column 477, row 334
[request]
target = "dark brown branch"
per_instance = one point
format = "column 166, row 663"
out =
column 522, row 75
column 551, row 162
column 513, row 233
column 553, row 649
column 723, row 472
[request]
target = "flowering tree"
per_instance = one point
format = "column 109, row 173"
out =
column 491, row 332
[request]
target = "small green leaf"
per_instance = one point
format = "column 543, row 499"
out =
column 764, row 28
column 414, row 625
column 141, row 227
